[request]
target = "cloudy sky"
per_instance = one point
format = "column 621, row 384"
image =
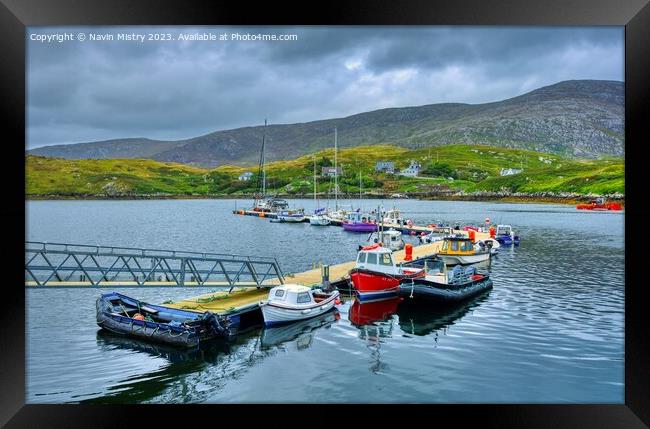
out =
column 81, row 91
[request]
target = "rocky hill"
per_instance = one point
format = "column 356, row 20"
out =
column 581, row 119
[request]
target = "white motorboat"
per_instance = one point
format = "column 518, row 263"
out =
column 390, row 239
column 319, row 218
column 393, row 217
column 438, row 234
column 291, row 216
column 292, row 302
column 489, row 243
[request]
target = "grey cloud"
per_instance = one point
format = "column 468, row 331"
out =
column 171, row 90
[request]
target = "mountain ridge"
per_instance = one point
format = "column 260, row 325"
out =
column 576, row 118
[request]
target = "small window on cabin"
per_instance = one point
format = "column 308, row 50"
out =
column 362, row 258
column 445, row 245
column 279, row 293
column 372, row 258
column 454, row 246
column 384, row 259
column 303, row 297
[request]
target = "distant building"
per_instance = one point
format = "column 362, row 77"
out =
column 245, row 176
column 385, row 166
column 331, row 171
column 412, row 170
column 510, row 171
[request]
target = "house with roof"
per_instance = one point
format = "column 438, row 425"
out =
column 245, row 176
column 331, row 171
column 385, row 167
column 510, row 171
column 412, row 170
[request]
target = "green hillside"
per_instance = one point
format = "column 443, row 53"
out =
column 452, row 168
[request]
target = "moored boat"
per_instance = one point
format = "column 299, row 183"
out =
column 460, row 250
column 291, row 302
column 390, row 239
column 291, row 216
column 128, row 316
column 443, row 286
column 375, row 274
column 599, row 204
column 319, row 218
column 506, row 236
column 359, row 222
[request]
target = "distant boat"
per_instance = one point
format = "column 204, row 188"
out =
column 460, row 250
column 359, row 222
column 319, row 218
column 599, row 204
column 391, row 239
column 506, row 236
column 292, row 216
column 291, row 302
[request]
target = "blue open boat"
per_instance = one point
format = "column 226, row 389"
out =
column 128, row 316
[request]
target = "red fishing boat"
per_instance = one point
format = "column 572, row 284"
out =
column 599, row 204
column 376, row 276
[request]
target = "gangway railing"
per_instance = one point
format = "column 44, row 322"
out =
column 65, row 264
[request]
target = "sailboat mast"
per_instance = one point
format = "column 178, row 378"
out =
column 264, row 160
column 315, row 181
column 336, row 174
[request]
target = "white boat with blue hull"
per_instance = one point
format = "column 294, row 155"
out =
column 291, row 302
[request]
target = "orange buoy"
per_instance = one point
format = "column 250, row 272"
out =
column 138, row 316
column 261, row 214
column 409, row 252
column 472, row 235
column 493, row 232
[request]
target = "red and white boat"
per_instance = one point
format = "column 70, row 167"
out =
column 599, row 204
column 376, row 276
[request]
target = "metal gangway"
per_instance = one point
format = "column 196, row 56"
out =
column 64, row 265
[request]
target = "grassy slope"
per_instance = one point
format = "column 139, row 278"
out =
column 477, row 167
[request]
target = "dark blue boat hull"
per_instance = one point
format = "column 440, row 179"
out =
column 430, row 291
column 172, row 326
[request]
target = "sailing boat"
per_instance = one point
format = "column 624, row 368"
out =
column 338, row 214
column 261, row 202
column 319, row 218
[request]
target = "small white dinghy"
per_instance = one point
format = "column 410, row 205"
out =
column 291, row 302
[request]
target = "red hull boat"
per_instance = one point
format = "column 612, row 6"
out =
column 599, row 204
column 375, row 276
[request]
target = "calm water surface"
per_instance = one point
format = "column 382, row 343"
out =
column 551, row 330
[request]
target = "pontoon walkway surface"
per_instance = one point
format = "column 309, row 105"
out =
column 247, row 299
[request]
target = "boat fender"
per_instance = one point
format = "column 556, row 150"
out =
column 409, row 223
column 138, row 316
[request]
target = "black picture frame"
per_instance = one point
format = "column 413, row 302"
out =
column 15, row 15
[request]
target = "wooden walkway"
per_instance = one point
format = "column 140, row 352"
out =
column 247, row 299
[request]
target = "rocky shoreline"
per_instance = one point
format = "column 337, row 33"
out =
column 504, row 196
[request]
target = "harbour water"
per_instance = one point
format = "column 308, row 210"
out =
column 550, row 331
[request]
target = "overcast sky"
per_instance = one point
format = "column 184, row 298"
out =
column 81, row 91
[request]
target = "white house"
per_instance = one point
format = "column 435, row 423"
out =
column 510, row 171
column 331, row 171
column 245, row 176
column 412, row 170
column 385, row 166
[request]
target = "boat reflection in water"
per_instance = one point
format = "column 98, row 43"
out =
column 418, row 318
column 374, row 321
column 301, row 331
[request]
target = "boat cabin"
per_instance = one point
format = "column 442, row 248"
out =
column 393, row 216
column 380, row 259
column 457, row 246
column 358, row 217
column 504, row 230
column 292, row 294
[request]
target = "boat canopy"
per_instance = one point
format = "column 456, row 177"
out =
column 358, row 217
column 291, row 294
column 504, row 230
column 457, row 246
